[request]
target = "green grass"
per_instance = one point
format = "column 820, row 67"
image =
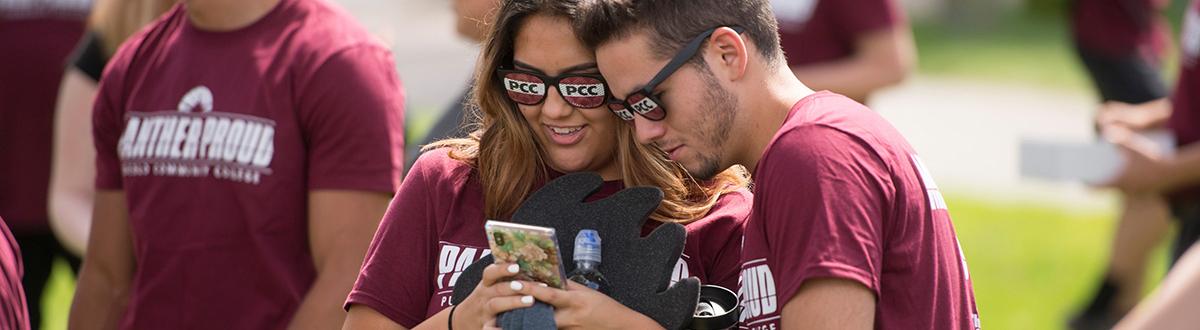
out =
column 1033, row 265
column 57, row 303
column 1017, row 49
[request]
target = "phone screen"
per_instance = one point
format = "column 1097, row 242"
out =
column 533, row 248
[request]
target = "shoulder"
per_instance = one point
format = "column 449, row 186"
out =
column 826, row 128
column 327, row 31
column 729, row 214
column 437, row 167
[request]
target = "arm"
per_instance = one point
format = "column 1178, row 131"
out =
column 341, row 224
column 881, row 58
column 1173, row 305
column 829, row 303
column 1147, row 169
column 73, row 172
column 104, row 282
column 1138, row 117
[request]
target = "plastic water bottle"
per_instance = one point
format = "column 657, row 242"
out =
column 587, row 261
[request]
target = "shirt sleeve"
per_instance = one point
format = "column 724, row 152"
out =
column 857, row 17
column 108, row 118
column 824, row 212
column 396, row 278
column 351, row 110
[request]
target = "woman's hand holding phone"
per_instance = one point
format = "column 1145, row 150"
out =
column 495, row 294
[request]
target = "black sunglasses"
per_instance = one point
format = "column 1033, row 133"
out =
column 578, row 89
column 648, row 105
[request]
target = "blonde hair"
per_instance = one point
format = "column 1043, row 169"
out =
column 509, row 162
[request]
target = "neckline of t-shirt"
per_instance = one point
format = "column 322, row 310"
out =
column 264, row 20
column 793, row 112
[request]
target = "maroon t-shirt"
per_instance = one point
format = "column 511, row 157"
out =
column 31, row 66
column 217, row 138
column 1185, row 118
column 13, row 312
column 1111, row 26
column 815, row 31
column 434, row 230
column 839, row 193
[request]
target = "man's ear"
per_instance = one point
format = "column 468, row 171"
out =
column 727, row 52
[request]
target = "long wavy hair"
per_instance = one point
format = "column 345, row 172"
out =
column 509, row 161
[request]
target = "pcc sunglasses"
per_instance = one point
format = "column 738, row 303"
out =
column 643, row 101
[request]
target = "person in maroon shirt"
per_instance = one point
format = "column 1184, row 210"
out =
column 36, row 37
column 1177, row 177
column 848, row 229
column 853, row 48
column 245, row 152
column 434, row 227
column 1121, row 43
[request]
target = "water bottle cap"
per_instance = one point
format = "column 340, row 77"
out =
column 587, row 245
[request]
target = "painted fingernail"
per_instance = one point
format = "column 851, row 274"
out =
column 542, row 284
column 528, row 300
column 513, row 268
column 516, row 286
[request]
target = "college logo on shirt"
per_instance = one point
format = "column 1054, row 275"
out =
column 793, row 14
column 1189, row 42
column 760, row 305
column 452, row 260
column 197, row 144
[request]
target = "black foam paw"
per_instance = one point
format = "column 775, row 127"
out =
column 638, row 268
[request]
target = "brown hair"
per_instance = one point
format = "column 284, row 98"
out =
column 116, row 20
column 509, row 161
column 672, row 23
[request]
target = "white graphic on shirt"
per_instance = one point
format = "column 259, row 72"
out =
column 681, row 270
column 936, row 202
column 1189, row 41
column 452, row 260
column 197, row 144
column 756, row 287
column 793, row 14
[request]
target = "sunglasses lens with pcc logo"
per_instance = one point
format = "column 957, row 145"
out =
column 524, row 88
column 619, row 110
column 583, row 92
column 646, row 106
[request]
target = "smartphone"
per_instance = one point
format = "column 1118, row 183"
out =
column 533, row 248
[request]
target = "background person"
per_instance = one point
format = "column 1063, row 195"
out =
column 245, row 151
column 853, row 48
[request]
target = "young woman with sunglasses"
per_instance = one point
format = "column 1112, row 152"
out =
column 544, row 111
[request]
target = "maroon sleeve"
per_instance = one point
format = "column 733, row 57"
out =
column 723, row 239
column 827, row 198
column 858, row 17
column 396, row 276
column 351, row 111
column 108, row 117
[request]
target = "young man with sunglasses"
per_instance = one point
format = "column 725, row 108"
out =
column 848, row 230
